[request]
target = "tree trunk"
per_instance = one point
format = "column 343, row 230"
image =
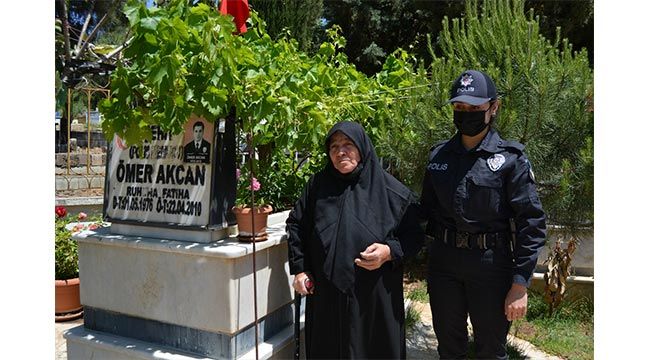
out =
column 84, row 28
column 66, row 34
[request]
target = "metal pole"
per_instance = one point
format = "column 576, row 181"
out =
column 252, row 158
column 69, row 126
column 296, row 325
column 88, row 136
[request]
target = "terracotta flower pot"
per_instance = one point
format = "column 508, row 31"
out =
column 67, row 304
column 245, row 225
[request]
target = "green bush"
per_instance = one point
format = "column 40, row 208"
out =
column 284, row 177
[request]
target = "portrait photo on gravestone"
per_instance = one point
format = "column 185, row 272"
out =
column 197, row 149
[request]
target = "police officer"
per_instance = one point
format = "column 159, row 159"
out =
column 486, row 224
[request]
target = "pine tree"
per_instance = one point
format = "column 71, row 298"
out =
column 376, row 28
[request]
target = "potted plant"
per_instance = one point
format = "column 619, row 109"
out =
column 66, row 261
column 66, row 274
column 245, row 211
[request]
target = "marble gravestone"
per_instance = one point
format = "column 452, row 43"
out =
column 168, row 279
column 184, row 184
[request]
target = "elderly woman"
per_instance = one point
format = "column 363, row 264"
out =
column 347, row 235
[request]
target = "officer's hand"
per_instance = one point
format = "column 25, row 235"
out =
column 374, row 256
column 299, row 283
column 516, row 302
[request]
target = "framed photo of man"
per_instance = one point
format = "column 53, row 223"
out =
column 197, row 140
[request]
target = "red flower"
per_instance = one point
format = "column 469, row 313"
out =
column 60, row 211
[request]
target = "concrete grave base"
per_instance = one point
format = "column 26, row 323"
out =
column 148, row 297
column 87, row 344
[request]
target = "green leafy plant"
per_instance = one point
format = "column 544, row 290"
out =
column 285, row 176
column 66, row 257
column 184, row 59
column 244, row 187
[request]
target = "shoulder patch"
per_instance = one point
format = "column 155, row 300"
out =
column 438, row 144
column 434, row 147
column 531, row 174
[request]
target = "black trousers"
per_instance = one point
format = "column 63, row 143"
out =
column 475, row 282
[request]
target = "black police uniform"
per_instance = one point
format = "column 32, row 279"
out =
column 469, row 198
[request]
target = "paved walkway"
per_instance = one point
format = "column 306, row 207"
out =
column 60, row 327
column 421, row 341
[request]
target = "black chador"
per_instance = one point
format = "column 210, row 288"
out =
column 354, row 312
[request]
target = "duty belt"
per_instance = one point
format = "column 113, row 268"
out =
column 466, row 240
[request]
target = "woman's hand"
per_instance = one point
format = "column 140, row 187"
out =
column 300, row 282
column 374, row 256
column 516, row 302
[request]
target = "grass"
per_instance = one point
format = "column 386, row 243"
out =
column 418, row 292
column 568, row 333
column 412, row 318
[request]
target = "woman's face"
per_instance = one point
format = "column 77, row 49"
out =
column 465, row 107
column 343, row 153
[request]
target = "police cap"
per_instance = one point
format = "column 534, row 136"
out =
column 473, row 87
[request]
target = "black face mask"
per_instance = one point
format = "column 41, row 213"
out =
column 470, row 123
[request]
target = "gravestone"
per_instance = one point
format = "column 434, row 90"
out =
column 168, row 278
column 182, row 183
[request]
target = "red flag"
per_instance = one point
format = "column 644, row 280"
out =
column 239, row 10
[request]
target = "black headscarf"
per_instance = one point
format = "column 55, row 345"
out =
column 355, row 210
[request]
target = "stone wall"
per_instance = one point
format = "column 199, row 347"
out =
column 80, row 158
